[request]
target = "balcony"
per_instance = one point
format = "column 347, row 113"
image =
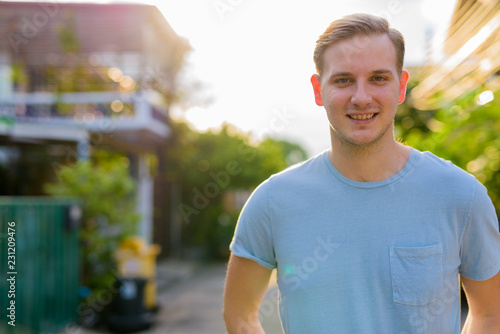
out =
column 136, row 118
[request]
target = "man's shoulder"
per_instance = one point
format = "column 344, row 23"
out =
column 294, row 179
column 307, row 169
column 435, row 168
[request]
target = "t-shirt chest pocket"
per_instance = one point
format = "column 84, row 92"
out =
column 417, row 274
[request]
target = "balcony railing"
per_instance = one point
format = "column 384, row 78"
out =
column 89, row 110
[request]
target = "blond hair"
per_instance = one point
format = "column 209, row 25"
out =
column 358, row 25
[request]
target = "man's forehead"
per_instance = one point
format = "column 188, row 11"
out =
column 375, row 50
column 361, row 44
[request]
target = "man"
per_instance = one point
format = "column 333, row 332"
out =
column 371, row 236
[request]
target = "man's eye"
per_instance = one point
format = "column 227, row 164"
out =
column 343, row 80
column 379, row 79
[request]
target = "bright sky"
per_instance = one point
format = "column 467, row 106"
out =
column 255, row 57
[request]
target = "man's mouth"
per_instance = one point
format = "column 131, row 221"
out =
column 361, row 116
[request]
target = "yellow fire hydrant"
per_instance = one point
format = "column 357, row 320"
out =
column 135, row 259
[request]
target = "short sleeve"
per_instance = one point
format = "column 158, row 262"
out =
column 480, row 251
column 253, row 237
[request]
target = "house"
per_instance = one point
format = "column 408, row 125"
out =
column 77, row 76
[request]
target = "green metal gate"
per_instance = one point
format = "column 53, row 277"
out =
column 39, row 264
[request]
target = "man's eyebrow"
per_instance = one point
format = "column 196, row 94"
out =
column 382, row 71
column 347, row 74
column 340, row 74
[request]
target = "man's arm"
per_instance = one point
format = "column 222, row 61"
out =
column 483, row 298
column 246, row 285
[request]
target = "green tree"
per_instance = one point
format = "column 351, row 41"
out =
column 107, row 193
column 211, row 165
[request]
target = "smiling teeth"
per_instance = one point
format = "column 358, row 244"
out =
column 365, row 116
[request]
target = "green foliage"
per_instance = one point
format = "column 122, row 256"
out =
column 68, row 38
column 465, row 133
column 107, row 194
column 213, row 167
column 19, row 76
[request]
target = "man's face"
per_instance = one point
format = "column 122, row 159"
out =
column 360, row 88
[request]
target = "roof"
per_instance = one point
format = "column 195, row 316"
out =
column 40, row 26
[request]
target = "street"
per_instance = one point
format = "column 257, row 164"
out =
column 194, row 305
column 190, row 296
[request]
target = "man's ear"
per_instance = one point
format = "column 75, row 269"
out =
column 317, row 89
column 403, row 80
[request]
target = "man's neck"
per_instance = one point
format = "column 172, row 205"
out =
column 369, row 164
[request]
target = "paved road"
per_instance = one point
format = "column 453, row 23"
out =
column 195, row 306
column 191, row 296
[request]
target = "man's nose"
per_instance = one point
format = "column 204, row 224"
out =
column 361, row 96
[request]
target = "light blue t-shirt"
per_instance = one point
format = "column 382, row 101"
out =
column 371, row 257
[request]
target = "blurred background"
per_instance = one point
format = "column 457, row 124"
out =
column 145, row 126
